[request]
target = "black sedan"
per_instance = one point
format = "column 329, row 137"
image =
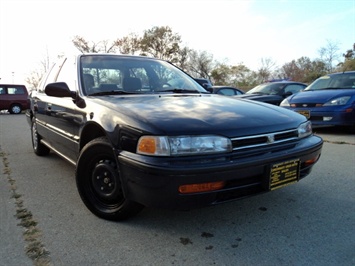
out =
column 273, row 92
column 226, row 90
column 136, row 140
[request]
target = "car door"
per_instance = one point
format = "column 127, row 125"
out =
column 60, row 118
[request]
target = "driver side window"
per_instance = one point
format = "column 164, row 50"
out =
column 294, row 88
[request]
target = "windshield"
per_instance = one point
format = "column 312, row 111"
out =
column 271, row 88
column 338, row 81
column 112, row 74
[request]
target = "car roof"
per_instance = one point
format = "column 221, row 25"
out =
column 341, row 73
column 221, row 86
column 2, row 84
column 119, row 55
column 285, row 82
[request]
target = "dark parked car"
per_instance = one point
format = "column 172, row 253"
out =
column 328, row 101
column 13, row 98
column 204, row 82
column 226, row 90
column 223, row 90
column 273, row 92
column 138, row 141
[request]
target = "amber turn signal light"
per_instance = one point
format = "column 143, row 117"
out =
column 311, row 161
column 147, row 145
column 203, row 187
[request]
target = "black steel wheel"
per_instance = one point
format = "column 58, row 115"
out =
column 99, row 183
column 38, row 147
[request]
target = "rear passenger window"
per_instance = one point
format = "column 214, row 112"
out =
column 15, row 90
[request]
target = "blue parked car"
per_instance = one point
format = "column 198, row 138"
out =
column 328, row 101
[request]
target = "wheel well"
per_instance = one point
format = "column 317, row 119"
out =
column 13, row 104
column 90, row 132
column 29, row 113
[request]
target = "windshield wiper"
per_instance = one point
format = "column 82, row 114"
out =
column 102, row 93
column 176, row 90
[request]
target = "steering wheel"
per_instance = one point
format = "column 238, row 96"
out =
column 166, row 84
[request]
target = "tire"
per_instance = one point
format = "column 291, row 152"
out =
column 99, row 183
column 15, row 109
column 38, row 147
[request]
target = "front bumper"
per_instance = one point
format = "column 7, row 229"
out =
column 333, row 118
column 154, row 182
column 330, row 116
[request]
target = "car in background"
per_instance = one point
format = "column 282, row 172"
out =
column 203, row 82
column 13, row 98
column 136, row 140
column 328, row 101
column 226, row 90
column 273, row 92
column 222, row 90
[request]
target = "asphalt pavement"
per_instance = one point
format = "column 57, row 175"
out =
column 308, row 223
column 340, row 135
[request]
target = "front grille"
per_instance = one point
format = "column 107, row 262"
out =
column 256, row 141
column 316, row 118
column 304, row 105
column 243, row 147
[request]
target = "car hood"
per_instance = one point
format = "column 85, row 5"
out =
column 196, row 114
column 319, row 96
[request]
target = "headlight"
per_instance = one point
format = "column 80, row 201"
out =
column 338, row 101
column 183, row 145
column 285, row 103
column 305, row 129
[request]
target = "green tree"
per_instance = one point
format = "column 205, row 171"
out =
column 349, row 60
column 221, row 74
column 200, row 64
column 161, row 42
column 303, row 70
column 130, row 44
column 242, row 77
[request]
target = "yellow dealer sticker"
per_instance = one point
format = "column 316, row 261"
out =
column 306, row 113
column 284, row 173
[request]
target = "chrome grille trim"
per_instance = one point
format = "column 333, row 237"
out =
column 262, row 140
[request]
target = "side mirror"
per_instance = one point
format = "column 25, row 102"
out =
column 208, row 87
column 286, row 94
column 61, row 90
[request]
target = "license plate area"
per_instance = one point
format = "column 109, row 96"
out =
column 306, row 113
column 284, row 173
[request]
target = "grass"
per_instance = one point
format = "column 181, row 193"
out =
column 34, row 248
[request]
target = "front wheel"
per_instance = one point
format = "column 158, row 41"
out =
column 99, row 183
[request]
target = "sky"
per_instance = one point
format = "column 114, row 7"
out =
column 232, row 31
